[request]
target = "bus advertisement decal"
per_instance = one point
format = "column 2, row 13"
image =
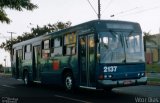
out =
column 55, row 65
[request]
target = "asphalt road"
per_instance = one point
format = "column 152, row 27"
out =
column 13, row 91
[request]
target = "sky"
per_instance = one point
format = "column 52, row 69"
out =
column 145, row 12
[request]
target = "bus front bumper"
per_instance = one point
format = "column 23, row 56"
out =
column 118, row 83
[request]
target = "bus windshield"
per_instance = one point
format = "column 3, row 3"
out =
column 121, row 47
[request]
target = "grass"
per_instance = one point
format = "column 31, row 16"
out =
column 155, row 81
column 154, row 67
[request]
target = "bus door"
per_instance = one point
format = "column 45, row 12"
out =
column 18, row 63
column 36, row 63
column 87, row 60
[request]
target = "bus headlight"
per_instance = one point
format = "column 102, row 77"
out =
column 139, row 74
column 142, row 74
column 109, row 76
column 105, row 76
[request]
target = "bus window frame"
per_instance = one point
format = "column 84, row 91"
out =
column 53, row 47
column 43, row 49
column 70, row 45
column 24, row 51
column 25, row 48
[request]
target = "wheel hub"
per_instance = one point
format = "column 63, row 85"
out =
column 68, row 83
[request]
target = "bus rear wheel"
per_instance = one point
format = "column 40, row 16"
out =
column 26, row 79
column 68, row 82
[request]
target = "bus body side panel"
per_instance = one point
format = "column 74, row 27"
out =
column 47, row 74
column 27, row 66
column 27, row 63
column 52, row 73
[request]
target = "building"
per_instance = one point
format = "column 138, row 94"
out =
column 153, row 49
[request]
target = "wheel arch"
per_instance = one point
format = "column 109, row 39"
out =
column 67, row 70
column 25, row 69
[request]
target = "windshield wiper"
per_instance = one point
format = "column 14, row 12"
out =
column 130, row 33
column 120, row 35
column 113, row 33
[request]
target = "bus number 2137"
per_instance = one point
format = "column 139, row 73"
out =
column 110, row 68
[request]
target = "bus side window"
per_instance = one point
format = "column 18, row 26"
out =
column 70, row 49
column 45, row 48
column 69, row 44
column 56, row 44
column 27, row 52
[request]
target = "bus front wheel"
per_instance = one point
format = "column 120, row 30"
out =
column 68, row 81
column 108, row 90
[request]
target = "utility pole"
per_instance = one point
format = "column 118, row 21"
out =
column 11, row 42
column 5, row 65
column 99, row 10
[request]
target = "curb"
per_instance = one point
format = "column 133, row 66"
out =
column 153, row 83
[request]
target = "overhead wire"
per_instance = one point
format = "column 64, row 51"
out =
column 126, row 11
column 107, row 6
column 92, row 7
column 136, row 12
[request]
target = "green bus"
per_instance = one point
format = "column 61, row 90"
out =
column 99, row 54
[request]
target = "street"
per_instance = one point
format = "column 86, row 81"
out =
column 13, row 91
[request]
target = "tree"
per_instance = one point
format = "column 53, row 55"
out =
column 1, row 68
column 34, row 33
column 18, row 5
column 148, row 38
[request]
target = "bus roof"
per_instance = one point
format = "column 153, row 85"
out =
column 96, row 24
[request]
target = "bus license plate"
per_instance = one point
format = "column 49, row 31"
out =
column 127, row 82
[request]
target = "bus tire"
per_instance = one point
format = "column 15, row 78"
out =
column 68, row 81
column 26, row 80
column 108, row 90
